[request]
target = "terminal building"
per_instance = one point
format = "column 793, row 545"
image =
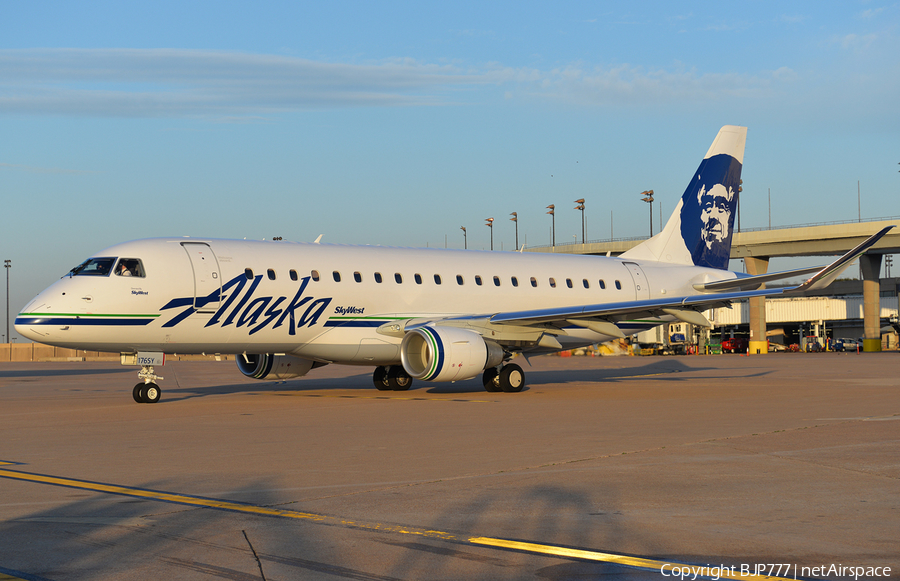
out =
column 835, row 314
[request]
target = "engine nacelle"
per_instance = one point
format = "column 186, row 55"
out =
column 447, row 353
column 269, row 366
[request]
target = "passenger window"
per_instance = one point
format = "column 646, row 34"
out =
column 552, row 283
column 397, row 278
column 533, row 282
column 478, row 279
column 618, row 285
column 437, row 279
column 515, row 281
column 248, row 272
column 569, row 282
column 357, row 277
column 602, row 284
column 496, row 281
column 459, row 279
column 271, row 274
column 418, row 278
column 315, row 275
column 378, row 277
column 293, row 274
column 129, row 267
column 337, row 276
column 586, row 283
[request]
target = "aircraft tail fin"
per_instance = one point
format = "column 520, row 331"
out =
column 699, row 231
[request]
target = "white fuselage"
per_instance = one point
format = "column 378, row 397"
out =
column 194, row 295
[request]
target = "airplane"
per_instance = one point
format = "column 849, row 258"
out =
column 286, row 308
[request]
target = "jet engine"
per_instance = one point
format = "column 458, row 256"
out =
column 269, row 366
column 447, row 353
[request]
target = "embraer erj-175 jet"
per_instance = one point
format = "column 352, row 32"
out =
column 435, row 315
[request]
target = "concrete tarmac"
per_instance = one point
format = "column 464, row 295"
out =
column 616, row 467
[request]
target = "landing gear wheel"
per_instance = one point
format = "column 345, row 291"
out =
column 136, row 393
column 512, row 378
column 491, row 380
column 150, row 393
column 398, row 379
column 380, row 379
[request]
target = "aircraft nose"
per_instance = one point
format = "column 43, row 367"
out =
column 32, row 316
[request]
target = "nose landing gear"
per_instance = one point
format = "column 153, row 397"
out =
column 148, row 391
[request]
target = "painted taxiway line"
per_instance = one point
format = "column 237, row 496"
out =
column 230, row 506
column 626, row 560
column 11, row 575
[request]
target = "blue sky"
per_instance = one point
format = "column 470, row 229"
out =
column 397, row 123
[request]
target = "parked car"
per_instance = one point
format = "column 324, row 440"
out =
column 735, row 345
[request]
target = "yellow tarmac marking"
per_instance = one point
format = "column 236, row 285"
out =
column 201, row 502
column 626, row 560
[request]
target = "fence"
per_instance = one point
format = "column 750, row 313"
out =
column 29, row 352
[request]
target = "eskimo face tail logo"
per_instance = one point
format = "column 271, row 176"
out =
column 243, row 309
column 708, row 211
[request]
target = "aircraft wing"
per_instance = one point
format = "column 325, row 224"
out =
column 532, row 325
column 828, row 274
column 538, row 326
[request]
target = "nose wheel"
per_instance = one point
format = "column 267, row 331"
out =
column 148, row 391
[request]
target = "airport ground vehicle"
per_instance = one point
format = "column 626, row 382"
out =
column 735, row 345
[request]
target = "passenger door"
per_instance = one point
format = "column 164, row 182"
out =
column 207, row 280
column 641, row 285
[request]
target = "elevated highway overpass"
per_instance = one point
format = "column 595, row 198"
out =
column 757, row 246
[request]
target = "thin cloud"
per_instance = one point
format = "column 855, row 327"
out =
column 229, row 87
column 625, row 85
column 164, row 82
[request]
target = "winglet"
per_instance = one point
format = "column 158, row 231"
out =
column 827, row 275
column 319, row 239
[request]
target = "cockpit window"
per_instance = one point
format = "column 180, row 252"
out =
column 94, row 267
column 130, row 267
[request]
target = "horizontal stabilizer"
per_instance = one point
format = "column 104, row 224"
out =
column 752, row 282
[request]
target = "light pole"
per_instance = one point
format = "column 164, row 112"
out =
column 490, row 224
column 465, row 239
column 515, row 218
column 553, row 230
column 7, row 264
column 580, row 206
column 648, row 197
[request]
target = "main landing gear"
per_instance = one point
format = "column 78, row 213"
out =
column 509, row 378
column 393, row 378
column 148, row 391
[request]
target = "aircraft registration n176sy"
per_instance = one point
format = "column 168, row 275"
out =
column 436, row 315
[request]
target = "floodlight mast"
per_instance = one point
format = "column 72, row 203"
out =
column 648, row 197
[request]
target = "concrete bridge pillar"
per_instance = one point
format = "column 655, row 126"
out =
column 871, row 269
column 758, row 343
